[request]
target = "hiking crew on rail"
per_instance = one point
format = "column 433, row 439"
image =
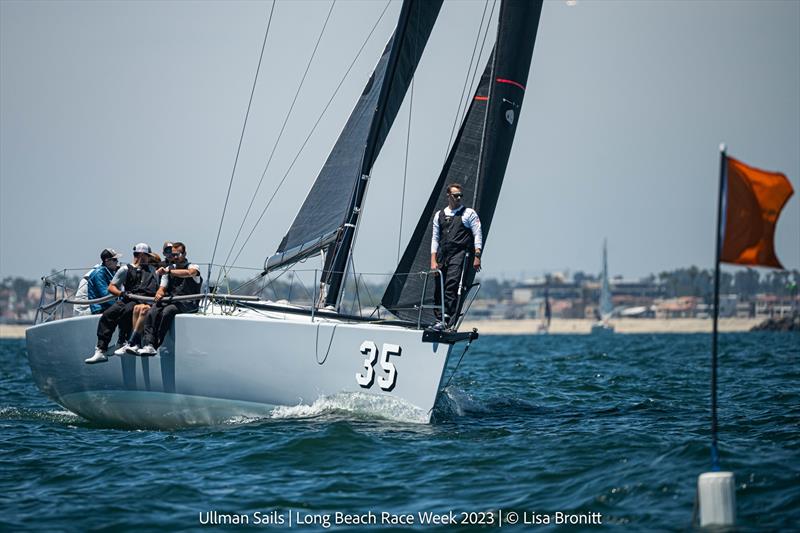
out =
column 179, row 278
column 134, row 278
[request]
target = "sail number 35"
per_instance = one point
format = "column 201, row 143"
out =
column 386, row 382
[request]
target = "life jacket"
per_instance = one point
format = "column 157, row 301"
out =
column 454, row 237
column 183, row 286
column 141, row 280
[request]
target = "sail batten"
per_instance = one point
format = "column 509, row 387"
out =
column 477, row 159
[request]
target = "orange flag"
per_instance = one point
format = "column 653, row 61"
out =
column 753, row 203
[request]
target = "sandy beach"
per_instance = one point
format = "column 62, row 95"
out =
column 8, row 331
column 527, row 327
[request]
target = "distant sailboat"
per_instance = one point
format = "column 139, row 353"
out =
column 544, row 325
column 606, row 307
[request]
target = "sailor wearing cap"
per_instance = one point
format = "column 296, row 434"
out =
column 94, row 284
column 134, row 278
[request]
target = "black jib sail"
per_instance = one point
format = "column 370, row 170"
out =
column 326, row 216
column 477, row 160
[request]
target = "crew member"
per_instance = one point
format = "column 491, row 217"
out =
column 134, row 278
column 94, row 284
column 180, row 278
column 457, row 242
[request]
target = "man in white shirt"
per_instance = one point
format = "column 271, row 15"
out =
column 456, row 239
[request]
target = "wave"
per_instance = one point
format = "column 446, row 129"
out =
column 350, row 404
column 358, row 404
column 454, row 402
column 60, row 416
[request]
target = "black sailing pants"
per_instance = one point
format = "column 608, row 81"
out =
column 159, row 319
column 119, row 314
column 451, row 268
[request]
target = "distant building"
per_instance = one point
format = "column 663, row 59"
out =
column 681, row 307
column 773, row 306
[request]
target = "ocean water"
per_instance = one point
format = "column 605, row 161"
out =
column 532, row 425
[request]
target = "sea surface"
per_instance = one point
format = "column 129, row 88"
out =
column 532, row 425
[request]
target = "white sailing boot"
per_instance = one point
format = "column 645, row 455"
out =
column 98, row 357
column 122, row 350
column 132, row 349
column 147, row 351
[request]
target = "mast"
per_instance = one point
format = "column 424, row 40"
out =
column 606, row 307
column 407, row 41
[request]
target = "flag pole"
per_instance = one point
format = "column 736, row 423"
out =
column 716, row 491
column 714, row 450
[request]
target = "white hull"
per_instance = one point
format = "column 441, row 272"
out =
column 602, row 328
column 213, row 367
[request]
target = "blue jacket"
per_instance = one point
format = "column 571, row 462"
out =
column 98, row 287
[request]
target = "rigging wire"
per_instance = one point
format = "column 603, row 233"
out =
column 475, row 76
column 461, row 100
column 408, row 143
column 466, row 348
column 486, row 114
column 313, row 129
column 241, row 137
column 405, row 171
column 280, row 135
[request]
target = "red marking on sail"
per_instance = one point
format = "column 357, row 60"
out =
column 481, row 98
column 511, row 82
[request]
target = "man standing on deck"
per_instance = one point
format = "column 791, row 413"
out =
column 457, row 238
column 135, row 278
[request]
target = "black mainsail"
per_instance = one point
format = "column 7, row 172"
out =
column 329, row 214
column 477, row 160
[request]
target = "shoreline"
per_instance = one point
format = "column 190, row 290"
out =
column 621, row 325
column 557, row 326
column 13, row 331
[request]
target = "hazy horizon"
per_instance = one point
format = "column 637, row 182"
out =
column 119, row 123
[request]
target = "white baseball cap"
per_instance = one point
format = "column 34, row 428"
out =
column 141, row 248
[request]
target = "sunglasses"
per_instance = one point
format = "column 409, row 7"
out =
column 457, row 195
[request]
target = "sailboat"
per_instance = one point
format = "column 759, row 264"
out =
column 244, row 356
column 606, row 307
column 544, row 326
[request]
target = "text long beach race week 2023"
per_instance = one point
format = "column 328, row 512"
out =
column 499, row 518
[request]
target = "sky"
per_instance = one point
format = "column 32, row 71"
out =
column 120, row 122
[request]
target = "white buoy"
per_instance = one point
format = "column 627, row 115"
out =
column 717, row 498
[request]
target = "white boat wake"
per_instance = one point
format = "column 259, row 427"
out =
column 356, row 404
